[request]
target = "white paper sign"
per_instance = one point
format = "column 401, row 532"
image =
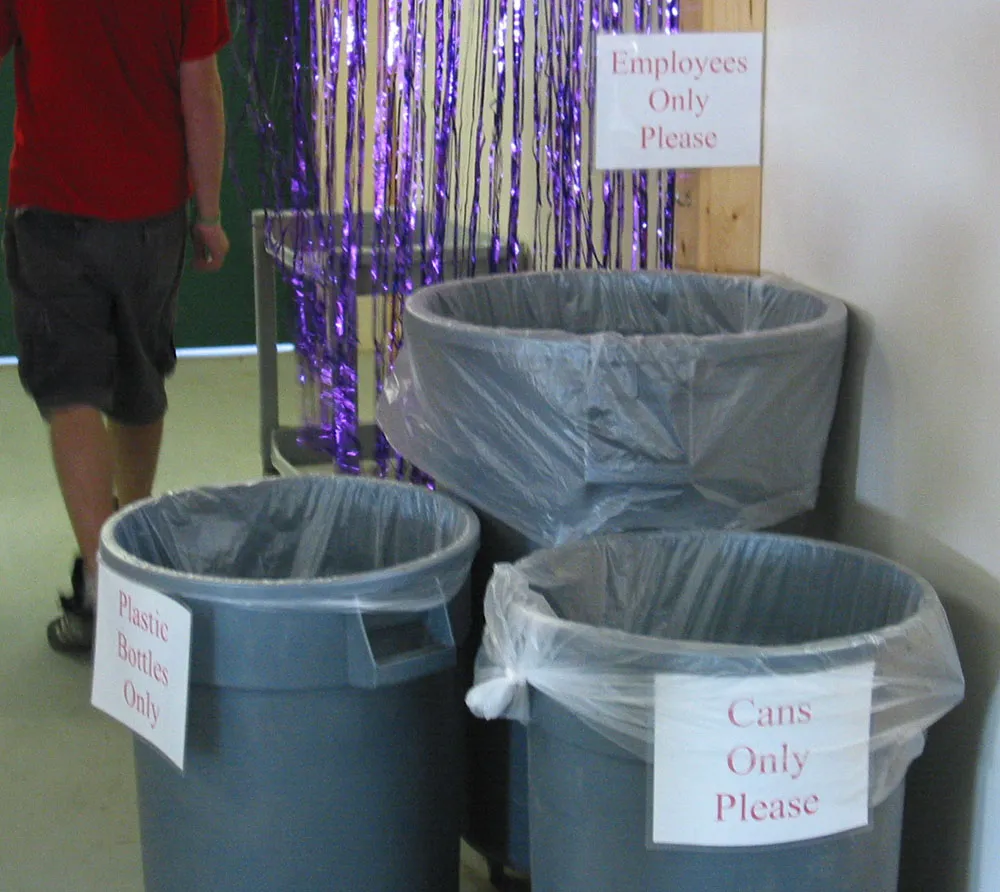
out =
column 678, row 100
column 761, row 760
column 142, row 657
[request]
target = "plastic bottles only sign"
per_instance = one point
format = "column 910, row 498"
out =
column 760, row 760
column 678, row 100
column 142, row 658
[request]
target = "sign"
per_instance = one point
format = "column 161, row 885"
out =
column 142, row 657
column 678, row 100
column 760, row 760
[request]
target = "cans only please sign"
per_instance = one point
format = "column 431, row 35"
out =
column 761, row 760
column 678, row 100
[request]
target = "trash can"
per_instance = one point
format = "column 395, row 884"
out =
column 573, row 402
column 563, row 404
column 715, row 710
column 324, row 729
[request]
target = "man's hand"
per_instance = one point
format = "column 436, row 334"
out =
column 211, row 245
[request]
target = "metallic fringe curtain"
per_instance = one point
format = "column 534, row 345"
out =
column 408, row 141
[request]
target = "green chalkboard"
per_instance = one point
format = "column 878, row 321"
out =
column 215, row 309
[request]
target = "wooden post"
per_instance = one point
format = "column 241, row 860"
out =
column 717, row 222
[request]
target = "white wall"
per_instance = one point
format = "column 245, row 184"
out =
column 882, row 186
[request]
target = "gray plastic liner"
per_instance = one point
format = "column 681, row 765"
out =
column 567, row 403
column 308, row 543
column 592, row 624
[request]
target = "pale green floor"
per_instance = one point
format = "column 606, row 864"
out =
column 67, row 794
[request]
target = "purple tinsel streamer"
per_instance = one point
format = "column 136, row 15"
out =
column 537, row 134
column 343, row 389
column 496, row 162
column 426, row 197
column 516, row 146
column 382, row 167
column 480, row 99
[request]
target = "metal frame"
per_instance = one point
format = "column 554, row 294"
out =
column 266, row 311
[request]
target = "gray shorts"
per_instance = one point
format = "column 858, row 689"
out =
column 95, row 304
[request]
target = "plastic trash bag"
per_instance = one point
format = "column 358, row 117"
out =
column 305, row 543
column 592, row 624
column 568, row 403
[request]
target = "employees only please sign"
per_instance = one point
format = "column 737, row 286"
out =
column 678, row 100
column 761, row 760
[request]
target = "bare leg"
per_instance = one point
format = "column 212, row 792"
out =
column 81, row 450
column 136, row 450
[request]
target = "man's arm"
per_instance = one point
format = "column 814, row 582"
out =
column 205, row 135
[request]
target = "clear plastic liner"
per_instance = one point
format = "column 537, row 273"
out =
column 592, row 624
column 308, row 543
column 568, row 403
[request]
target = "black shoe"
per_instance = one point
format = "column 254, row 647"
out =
column 73, row 631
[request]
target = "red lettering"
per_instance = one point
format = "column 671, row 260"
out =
column 614, row 61
column 742, row 755
column 742, row 66
column 160, row 674
column 642, row 66
column 745, row 713
column 724, row 802
column 123, row 603
column 759, row 810
column 660, row 138
column 142, row 660
column 732, row 713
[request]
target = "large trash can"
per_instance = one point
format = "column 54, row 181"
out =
column 566, row 403
column 563, row 404
column 622, row 652
column 324, row 733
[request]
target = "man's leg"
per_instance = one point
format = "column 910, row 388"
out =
column 136, row 450
column 82, row 452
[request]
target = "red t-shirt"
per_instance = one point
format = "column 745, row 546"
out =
column 99, row 130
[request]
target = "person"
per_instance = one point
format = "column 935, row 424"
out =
column 119, row 125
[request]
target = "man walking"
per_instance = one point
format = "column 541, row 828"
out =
column 119, row 123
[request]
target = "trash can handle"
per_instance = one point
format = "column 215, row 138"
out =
column 385, row 650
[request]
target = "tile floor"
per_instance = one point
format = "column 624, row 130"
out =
column 67, row 796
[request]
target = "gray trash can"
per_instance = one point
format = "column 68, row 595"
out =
column 324, row 726
column 580, row 638
column 563, row 404
column 566, row 403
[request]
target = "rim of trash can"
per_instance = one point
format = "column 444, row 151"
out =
column 313, row 589
column 754, row 652
column 417, row 309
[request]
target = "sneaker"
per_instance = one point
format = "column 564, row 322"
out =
column 73, row 631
